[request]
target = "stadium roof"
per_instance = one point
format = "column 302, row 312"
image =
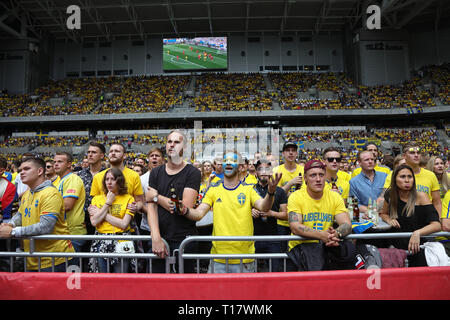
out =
column 108, row 19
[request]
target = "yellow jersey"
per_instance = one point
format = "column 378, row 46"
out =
column 118, row 209
column 132, row 179
column 285, row 178
column 316, row 214
column 232, row 216
column 342, row 184
column 56, row 181
column 71, row 186
column 344, row 175
column 387, row 182
column 426, row 181
column 441, row 187
column 250, row 179
column 47, row 201
column 445, row 214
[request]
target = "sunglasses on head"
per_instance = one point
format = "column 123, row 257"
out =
column 330, row 159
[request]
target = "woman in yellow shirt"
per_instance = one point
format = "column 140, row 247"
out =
column 110, row 215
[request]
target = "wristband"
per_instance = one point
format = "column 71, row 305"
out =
column 108, row 204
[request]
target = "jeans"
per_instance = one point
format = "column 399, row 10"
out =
column 283, row 231
column 116, row 268
column 269, row 247
column 58, row 268
column 159, row 265
column 78, row 245
column 219, row 267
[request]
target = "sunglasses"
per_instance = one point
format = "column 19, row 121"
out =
column 332, row 159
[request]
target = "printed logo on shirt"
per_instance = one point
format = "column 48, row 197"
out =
column 241, row 198
column 423, row 188
column 115, row 210
column 317, row 216
column 36, row 203
column 318, row 226
column 219, row 200
column 72, row 191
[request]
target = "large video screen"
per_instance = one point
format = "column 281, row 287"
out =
column 199, row 54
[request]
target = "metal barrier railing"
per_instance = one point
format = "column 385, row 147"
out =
column 182, row 255
column 180, row 252
column 86, row 255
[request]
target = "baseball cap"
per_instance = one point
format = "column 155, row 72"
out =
column 314, row 164
column 289, row 144
column 262, row 161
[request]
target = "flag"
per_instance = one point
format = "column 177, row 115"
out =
column 374, row 140
column 358, row 143
column 301, row 144
column 41, row 135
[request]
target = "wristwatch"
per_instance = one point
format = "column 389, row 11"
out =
column 155, row 199
column 13, row 232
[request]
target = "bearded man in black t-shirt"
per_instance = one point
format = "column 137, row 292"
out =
column 165, row 223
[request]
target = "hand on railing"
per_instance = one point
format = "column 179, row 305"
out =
column 159, row 248
column 5, row 230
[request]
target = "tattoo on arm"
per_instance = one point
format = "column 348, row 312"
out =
column 345, row 229
column 293, row 217
column 303, row 228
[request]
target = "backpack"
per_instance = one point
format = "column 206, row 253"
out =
column 370, row 254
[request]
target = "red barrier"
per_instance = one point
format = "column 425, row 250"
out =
column 405, row 284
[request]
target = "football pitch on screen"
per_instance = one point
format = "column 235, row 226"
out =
column 187, row 57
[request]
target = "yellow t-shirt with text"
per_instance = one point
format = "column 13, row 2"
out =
column 426, row 181
column 315, row 214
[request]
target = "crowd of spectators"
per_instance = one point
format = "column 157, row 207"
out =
column 289, row 85
column 409, row 94
column 231, row 92
column 144, row 94
column 426, row 137
column 226, row 92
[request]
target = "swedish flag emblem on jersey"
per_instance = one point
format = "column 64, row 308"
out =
column 241, row 198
